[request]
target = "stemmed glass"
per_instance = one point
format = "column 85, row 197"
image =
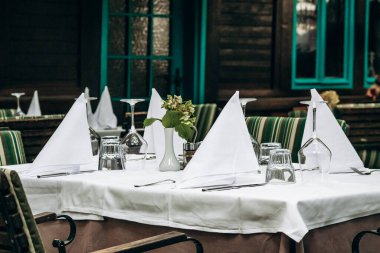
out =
column 134, row 145
column 19, row 112
column 314, row 155
column 255, row 144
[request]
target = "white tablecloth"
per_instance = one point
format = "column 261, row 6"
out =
column 292, row 209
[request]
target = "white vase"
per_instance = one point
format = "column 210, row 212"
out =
column 169, row 162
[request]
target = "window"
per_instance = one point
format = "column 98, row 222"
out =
column 147, row 44
column 323, row 43
column 372, row 42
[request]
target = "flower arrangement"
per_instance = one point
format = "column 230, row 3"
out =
column 179, row 115
column 331, row 97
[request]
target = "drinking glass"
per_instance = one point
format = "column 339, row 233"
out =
column 111, row 155
column 314, row 155
column 19, row 112
column 255, row 144
column 134, row 145
column 265, row 149
column 280, row 168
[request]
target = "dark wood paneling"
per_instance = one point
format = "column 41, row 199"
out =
column 241, row 41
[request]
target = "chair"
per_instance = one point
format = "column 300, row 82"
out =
column 370, row 158
column 205, row 115
column 286, row 130
column 19, row 233
column 11, row 148
column 359, row 236
column 7, row 113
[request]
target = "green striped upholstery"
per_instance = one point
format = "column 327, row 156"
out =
column 286, row 130
column 11, row 148
column 6, row 113
column 370, row 158
column 205, row 116
column 12, row 187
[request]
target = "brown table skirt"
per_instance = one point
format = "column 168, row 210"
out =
column 93, row 235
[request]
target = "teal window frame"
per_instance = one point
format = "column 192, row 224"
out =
column 368, row 81
column 320, row 81
column 198, row 74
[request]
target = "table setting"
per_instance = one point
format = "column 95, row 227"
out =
column 222, row 189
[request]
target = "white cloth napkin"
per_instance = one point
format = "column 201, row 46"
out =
column 69, row 146
column 104, row 113
column 344, row 155
column 34, row 107
column 90, row 115
column 154, row 134
column 225, row 152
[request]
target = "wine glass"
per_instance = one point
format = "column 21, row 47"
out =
column 134, row 145
column 314, row 155
column 255, row 144
column 19, row 112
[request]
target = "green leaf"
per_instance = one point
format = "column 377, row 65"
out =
column 150, row 121
column 185, row 131
column 171, row 119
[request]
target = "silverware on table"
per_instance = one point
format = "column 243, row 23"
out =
column 64, row 174
column 363, row 172
column 231, row 187
column 154, row 183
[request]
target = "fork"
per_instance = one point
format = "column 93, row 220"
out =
column 361, row 172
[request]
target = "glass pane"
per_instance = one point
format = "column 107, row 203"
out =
column 139, row 36
column 161, row 28
column 161, row 7
column 116, row 35
column 139, row 81
column 335, row 14
column 118, row 5
column 116, row 78
column 139, row 6
column 306, row 31
column 161, row 77
column 374, row 39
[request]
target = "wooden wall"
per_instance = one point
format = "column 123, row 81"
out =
column 249, row 49
column 49, row 45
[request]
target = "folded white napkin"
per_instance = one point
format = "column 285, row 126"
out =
column 344, row 155
column 225, row 152
column 154, row 134
column 90, row 115
column 104, row 113
column 69, row 146
column 34, row 107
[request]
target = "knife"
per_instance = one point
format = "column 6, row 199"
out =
column 231, row 187
column 64, row 173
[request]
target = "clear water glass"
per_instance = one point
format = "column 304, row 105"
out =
column 19, row 112
column 111, row 156
column 280, row 168
column 134, row 145
column 314, row 155
column 265, row 149
column 255, row 144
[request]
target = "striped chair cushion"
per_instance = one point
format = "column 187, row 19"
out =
column 11, row 148
column 205, row 116
column 286, row 130
column 25, row 117
column 29, row 227
column 297, row 113
column 370, row 158
column 6, row 113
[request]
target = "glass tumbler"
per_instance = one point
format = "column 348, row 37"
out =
column 280, row 167
column 265, row 149
column 111, row 156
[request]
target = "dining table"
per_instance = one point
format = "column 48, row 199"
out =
column 314, row 214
